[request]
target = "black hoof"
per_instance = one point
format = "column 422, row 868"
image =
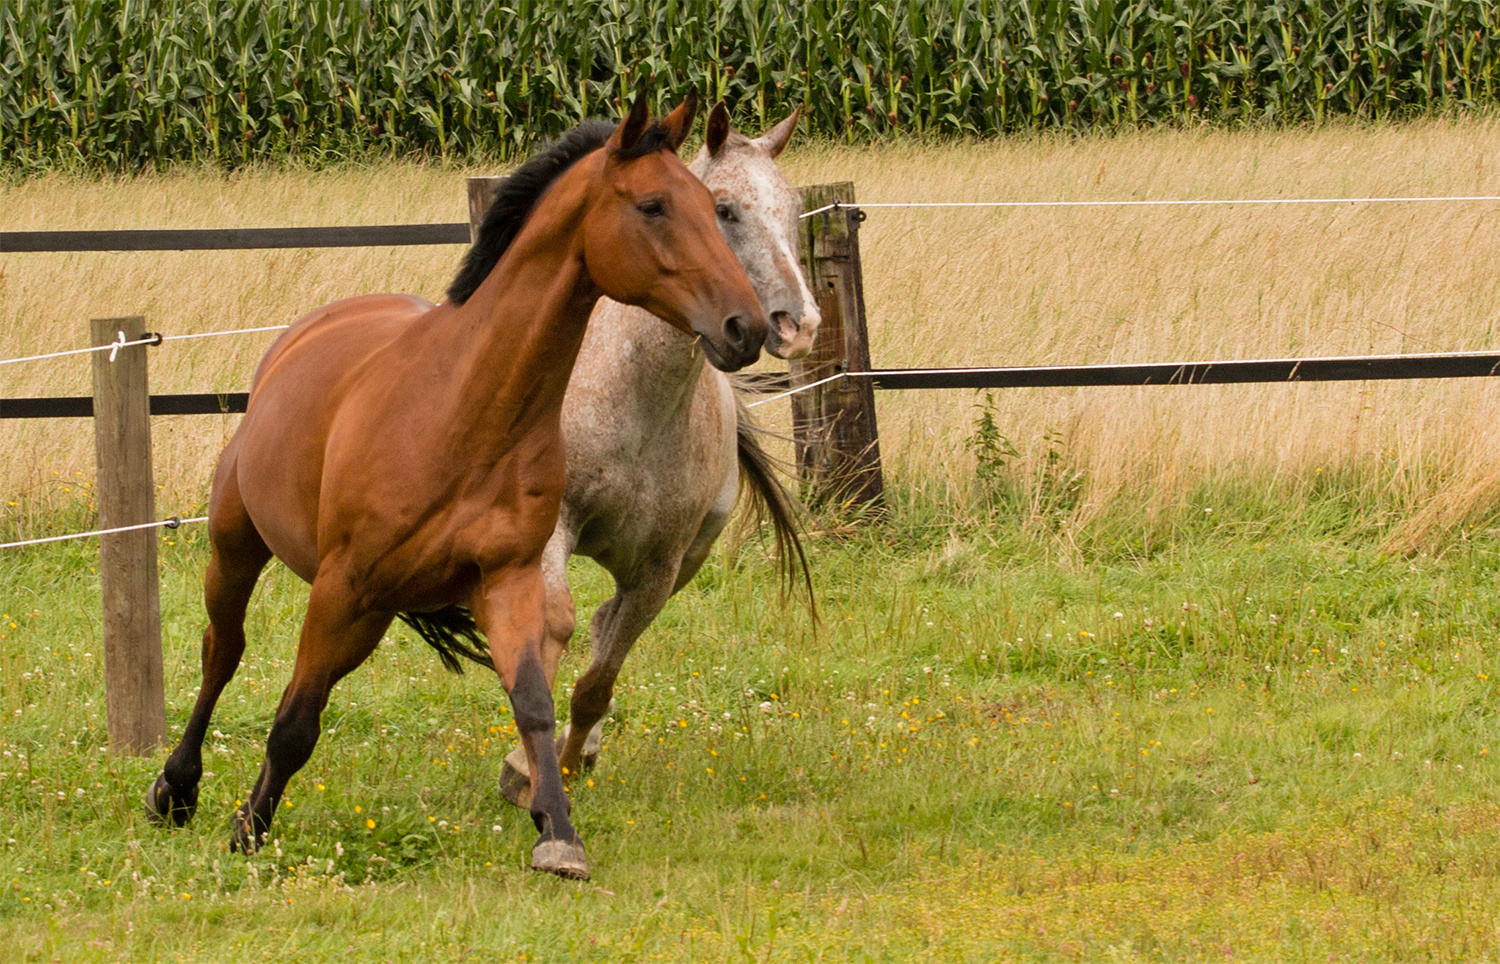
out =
column 165, row 804
column 242, row 836
column 589, row 760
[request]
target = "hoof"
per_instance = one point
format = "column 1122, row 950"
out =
column 166, row 805
column 561, row 857
column 590, row 760
column 515, row 786
column 242, row 838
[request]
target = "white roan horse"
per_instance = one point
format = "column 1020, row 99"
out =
column 657, row 442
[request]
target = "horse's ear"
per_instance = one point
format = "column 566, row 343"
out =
column 718, row 129
column 680, row 121
column 632, row 127
column 775, row 139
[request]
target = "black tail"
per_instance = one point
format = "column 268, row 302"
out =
column 453, row 633
column 770, row 497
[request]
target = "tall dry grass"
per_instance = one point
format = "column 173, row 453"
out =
column 1075, row 286
column 968, row 287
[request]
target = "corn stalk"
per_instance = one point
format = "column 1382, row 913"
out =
column 134, row 84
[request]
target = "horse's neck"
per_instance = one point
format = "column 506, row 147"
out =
column 514, row 342
column 642, row 368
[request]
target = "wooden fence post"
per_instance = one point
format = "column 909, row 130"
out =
column 837, row 443
column 135, row 698
column 480, row 190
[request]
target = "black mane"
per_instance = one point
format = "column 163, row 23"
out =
column 519, row 193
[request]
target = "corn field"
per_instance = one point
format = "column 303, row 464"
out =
column 134, row 84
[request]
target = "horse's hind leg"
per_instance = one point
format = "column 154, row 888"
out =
column 239, row 555
column 617, row 624
column 336, row 637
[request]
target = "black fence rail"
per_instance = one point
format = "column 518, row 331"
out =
column 235, row 239
column 1249, row 372
column 83, row 406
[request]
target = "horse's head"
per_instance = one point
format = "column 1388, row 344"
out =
column 758, row 210
column 651, row 239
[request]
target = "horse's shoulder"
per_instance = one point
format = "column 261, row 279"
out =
column 374, row 318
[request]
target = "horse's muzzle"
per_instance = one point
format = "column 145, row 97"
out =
column 737, row 343
column 790, row 336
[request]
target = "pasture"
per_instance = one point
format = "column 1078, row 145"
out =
column 1184, row 673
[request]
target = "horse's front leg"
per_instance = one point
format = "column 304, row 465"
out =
column 512, row 610
column 617, row 624
column 639, row 598
column 561, row 618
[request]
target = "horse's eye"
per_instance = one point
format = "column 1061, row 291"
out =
column 651, row 208
column 726, row 213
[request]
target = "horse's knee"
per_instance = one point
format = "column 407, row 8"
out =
column 562, row 616
column 222, row 649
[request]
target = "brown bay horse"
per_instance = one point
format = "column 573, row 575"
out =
column 407, row 459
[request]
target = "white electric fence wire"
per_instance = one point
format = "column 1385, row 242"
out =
column 170, row 523
column 1163, row 203
column 801, row 388
column 55, row 354
column 216, row 334
column 113, row 348
column 153, row 339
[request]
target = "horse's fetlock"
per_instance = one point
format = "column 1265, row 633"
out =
column 540, row 727
column 183, row 775
column 549, row 828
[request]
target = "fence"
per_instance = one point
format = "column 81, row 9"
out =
column 831, row 391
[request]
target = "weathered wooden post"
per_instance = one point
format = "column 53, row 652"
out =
column 481, row 191
column 838, row 446
column 135, row 698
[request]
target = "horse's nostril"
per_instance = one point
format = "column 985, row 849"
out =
column 784, row 324
column 734, row 331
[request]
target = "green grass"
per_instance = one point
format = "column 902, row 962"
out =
column 1239, row 733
